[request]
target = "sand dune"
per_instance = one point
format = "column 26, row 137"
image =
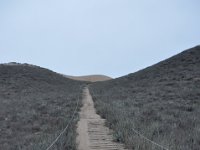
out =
column 90, row 78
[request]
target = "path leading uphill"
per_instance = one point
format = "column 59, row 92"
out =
column 92, row 133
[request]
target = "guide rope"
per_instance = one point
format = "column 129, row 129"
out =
column 64, row 130
column 152, row 142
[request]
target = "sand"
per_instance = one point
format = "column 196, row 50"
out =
column 92, row 132
column 90, row 78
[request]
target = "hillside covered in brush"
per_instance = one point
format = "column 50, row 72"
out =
column 162, row 102
column 35, row 105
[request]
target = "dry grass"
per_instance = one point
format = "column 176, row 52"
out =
column 162, row 102
column 35, row 105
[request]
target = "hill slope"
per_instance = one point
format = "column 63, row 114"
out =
column 90, row 78
column 35, row 105
column 162, row 102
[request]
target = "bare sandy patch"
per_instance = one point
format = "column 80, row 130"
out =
column 90, row 78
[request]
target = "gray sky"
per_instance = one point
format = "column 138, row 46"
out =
column 111, row 37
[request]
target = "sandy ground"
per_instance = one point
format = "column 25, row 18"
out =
column 90, row 78
column 92, row 133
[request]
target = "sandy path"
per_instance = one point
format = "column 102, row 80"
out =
column 92, row 133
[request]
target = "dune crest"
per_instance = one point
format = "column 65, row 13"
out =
column 90, row 78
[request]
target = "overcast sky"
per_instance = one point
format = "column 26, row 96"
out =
column 111, row 37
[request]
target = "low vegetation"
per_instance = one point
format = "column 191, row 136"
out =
column 162, row 102
column 35, row 105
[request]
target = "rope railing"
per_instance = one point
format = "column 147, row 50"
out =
column 147, row 139
column 135, row 131
column 65, row 129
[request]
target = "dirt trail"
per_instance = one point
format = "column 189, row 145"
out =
column 92, row 133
